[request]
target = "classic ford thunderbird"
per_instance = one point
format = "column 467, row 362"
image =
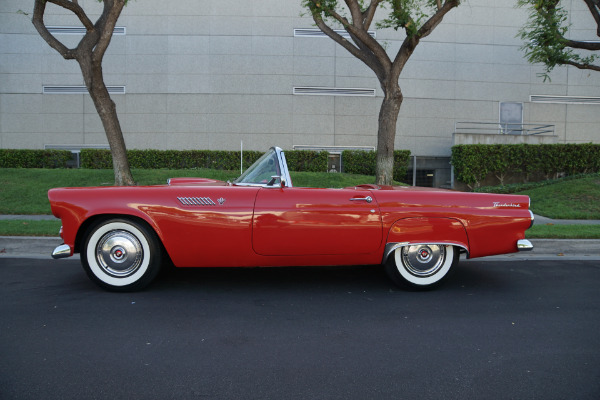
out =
column 124, row 234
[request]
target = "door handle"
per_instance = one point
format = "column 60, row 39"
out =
column 368, row 199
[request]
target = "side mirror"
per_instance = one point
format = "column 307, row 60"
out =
column 276, row 178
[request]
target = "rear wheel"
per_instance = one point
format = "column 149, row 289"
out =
column 422, row 266
column 121, row 255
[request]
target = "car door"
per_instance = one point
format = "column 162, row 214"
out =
column 306, row 221
column 206, row 225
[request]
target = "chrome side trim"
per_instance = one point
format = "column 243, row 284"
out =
column 62, row 251
column 524, row 245
column 391, row 247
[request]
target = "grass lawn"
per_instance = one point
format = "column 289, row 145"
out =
column 569, row 199
column 24, row 191
column 29, row 228
column 563, row 232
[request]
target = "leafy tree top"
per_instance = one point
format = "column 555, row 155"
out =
column 545, row 35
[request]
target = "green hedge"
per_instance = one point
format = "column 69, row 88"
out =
column 354, row 162
column 298, row 160
column 477, row 162
column 17, row 158
column 170, row 159
column 306, row 161
column 363, row 162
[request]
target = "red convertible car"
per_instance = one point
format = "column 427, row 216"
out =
column 125, row 233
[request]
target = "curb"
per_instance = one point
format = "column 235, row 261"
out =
column 28, row 246
column 585, row 249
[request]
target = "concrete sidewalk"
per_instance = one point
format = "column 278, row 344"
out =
column 28, row 217
column 539, row 220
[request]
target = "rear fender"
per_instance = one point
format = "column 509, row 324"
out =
column 426, row 230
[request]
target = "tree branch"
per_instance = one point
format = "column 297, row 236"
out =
column 357, row 19
column 353, row 49
column 370, row 13
column 410, row 43
column 106, row 24
column 39, row 9
column 594, row 6
column 576, row 44
column 365, row 48
column 74, row 7
column 377, row 60
column 583, row 66
column 317, row 8
column 436, row 18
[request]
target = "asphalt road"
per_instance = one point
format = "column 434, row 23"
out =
column 496, row 330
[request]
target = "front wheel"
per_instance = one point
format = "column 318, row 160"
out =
column 121, row 255
column 422, row 266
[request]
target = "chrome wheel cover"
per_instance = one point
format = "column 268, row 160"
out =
column 119, row 253
column 423, row 260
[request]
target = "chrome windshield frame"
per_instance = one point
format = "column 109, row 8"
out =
column 284, row 175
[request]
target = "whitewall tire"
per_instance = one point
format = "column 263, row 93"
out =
column 422, row 266
column 121, row 255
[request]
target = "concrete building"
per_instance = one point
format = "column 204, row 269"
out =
column 193, row 74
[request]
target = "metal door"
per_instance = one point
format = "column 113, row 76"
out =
column 305, row 221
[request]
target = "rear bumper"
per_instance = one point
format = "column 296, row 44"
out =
column 62, row 251
column 524, row 245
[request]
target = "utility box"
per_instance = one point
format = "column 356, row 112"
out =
column 334, row 158
column 334, row 162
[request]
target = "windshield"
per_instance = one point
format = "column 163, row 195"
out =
column 261, row 172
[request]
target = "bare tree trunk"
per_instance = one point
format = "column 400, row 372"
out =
column 107, row 110
column 89, row 53
column 108, row 115
column 388, row 116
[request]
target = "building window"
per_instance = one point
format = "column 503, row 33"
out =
column 332, row 91
column 80, row 30
column 76, row 89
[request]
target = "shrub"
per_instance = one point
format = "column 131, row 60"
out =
column 298, row 160
column 171, row 159
column 18, row 158
column 363, row 162
column 478, row 162
column 354, row 162
column 306, row 161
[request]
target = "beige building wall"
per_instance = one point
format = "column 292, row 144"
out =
column 208, row 75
